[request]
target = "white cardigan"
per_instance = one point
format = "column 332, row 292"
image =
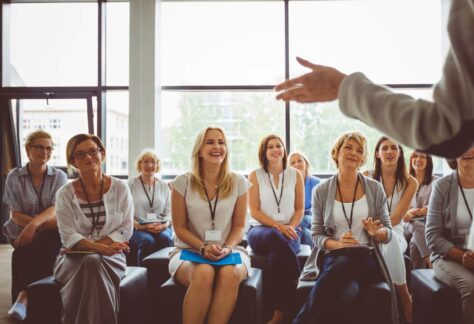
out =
column 74, row 225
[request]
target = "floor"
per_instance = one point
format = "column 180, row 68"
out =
column 5, row 283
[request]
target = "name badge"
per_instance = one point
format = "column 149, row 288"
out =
column 279, row 217
column 150, row 216
column 213, row 235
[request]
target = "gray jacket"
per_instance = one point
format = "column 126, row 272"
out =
column 323, row 226
column 441, row 232
column 452, row 110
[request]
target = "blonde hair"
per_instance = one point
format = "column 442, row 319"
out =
column 73, row 143
column 36, row 135
column 304, row 157
column 344, row 138
column 148, row 152
column 224, row 181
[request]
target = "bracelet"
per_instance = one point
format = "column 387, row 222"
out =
column 202, row 249
column 227, row 247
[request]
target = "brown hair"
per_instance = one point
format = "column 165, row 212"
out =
column 262, row 151
column 401, row 173
column 428, row 177
column 37, row 134
column 73, row 143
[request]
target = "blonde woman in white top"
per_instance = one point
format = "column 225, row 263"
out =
column 152, row 203
column 209, row 206
column 277, row 206
column 95, row 214
column 400, row 188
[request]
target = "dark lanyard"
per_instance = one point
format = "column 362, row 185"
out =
column 150, row 201
column 40, row 193
column 418, row 193
column 95, row 218
column 213, row 211
column 389, row 205
column 464, row 197
column 281, row 191
column 349, row 220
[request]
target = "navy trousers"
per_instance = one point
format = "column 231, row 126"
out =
column 143, row 243
column 34, row 261
column 284, row 268
column 334, row 297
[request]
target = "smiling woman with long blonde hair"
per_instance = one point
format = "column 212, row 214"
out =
column 209, row 206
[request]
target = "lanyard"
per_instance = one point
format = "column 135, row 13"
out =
column 40, row 193
column 418, row 193
column 349, row 221
column 213, row 211
column 150, row 201
column 464, row 197
column 389, row 205
column 95, row 218
column 281, row 191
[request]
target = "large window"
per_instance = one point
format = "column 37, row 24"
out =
column 74, row 50
column 221, row 70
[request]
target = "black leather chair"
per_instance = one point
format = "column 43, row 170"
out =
column 376, row 301
column 433, row 301
column 45, row 306
column 169, row 295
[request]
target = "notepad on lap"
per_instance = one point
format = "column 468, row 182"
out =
column 232, row 258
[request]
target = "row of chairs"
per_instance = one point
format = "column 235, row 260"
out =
column 149, row 295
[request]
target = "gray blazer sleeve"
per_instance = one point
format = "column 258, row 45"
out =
column 452, row 110
column 435, row 231
column 318, row 232
column 382, row 211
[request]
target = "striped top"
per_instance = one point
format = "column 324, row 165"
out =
column 97, row 208
column 20, row 195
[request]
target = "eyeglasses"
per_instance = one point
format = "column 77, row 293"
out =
column 82, row 155
column 41, row 148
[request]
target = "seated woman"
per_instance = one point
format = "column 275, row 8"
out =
column 277, row 205
column 400, row 189
column 30, row 194
column 348, row 210
column 421, row 167
column 300, row 162
column 209, row 206
column 152, row 205
column 95, row 214
column 448, row 227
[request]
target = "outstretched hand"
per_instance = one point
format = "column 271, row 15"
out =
column 319, row 85
column 371, row 226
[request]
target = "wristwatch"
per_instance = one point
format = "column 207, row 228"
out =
column 202, row 249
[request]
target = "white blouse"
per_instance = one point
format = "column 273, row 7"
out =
column 161, row 203
column 268, row 204
column 74, row 226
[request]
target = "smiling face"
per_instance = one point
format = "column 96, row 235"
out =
column 350, row 155
column 419, row 162
column 39, row 151
column 466, row 161
column 87, row 156
column 148, row 166
column 213, row 149
column 388, row 153
column 275, row 150
column 298, row 162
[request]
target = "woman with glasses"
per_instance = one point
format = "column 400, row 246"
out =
column 300, row 162
column 30, row 194
column 276, row 200
column 421, row 167
column 209, row 206
column 448, row 228
column 152, row 202
column 400, row 189
column 95, row 220
column 349, row 210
